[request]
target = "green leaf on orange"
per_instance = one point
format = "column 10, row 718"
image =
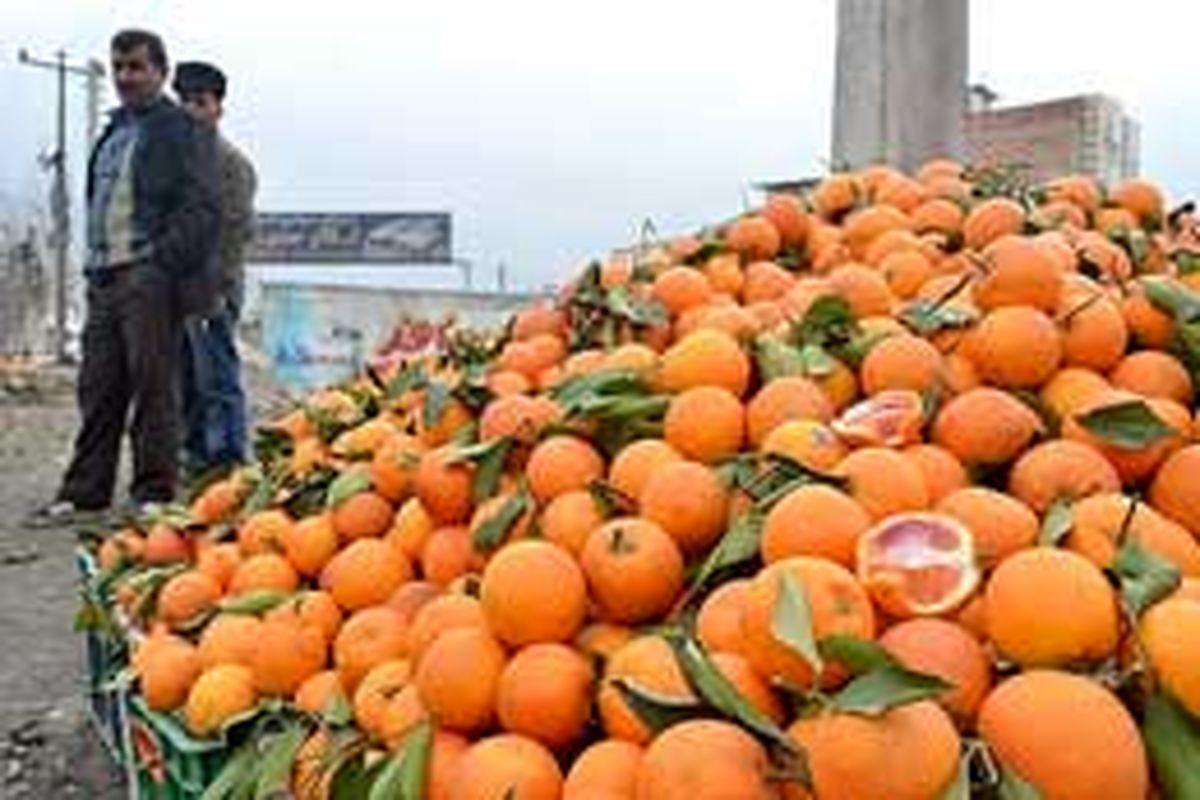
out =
column 1173, row 740
column 792, row 623
column 1057, row 523
column 347, row 485
column 1144, row 577
column 658, row 711
column 1130, row 425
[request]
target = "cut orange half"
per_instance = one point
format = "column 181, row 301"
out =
column 918, row 564
column 892, row 418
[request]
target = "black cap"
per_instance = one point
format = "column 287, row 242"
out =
column 195, row 77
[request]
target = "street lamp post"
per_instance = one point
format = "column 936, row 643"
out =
column 92, row 71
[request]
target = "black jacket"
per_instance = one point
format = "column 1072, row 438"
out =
column 176, row 195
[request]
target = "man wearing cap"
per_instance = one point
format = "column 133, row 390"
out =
column 213, row 401
column 153, row 210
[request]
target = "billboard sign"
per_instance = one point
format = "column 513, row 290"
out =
column 368, row 238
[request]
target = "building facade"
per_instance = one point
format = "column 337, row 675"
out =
column 1088, row 134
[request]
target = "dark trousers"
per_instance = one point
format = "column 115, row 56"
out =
column 214, row 405
column 128, row 378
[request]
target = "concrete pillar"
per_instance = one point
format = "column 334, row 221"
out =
column 901, row 81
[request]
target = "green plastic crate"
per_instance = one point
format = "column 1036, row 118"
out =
column 105, row 655
column 166, row 762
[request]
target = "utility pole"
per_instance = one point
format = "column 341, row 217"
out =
column 60, row 200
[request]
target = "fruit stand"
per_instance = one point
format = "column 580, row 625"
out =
column 887, row 492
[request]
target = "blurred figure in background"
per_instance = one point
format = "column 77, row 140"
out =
column 214, row 404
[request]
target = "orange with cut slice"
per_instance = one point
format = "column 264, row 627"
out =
column 918, row 564
column 892, row 418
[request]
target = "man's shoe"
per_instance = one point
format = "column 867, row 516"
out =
column 64, row 514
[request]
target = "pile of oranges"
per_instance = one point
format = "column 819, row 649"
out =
column 888, row 492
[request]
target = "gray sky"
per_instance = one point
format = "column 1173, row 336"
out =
column 551, row 129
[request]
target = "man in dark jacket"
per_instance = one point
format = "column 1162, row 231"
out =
column 213, row 401
column 153, row 210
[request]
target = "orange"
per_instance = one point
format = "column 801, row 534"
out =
column 606, row 769
column 166, row 674
column 312, row 609
column 506, row 766
column 753, row 237
column 632, row 356
column 1169, row 632
column 285, row 655
column 706, row 424
column 985, row 426
column 448, row 554
column 865, row 225
column 533, row 591
column 883, row 482
column 809, row 443
column 458, row 676
column 264, row 572
column 838, row 605
column 217, row 502
column 705, row 760
column 537, row 319
column 634, row 570
column 1060, row 470
column 310, row 544
column 228, row 639
column 517, row 416
column 901, row 362
column 1150, row 326
column 263, row 532
column 1000, row 525
column 1176, row 486
column 909, row 753
column 636, row 462
column 724, row 273
column 438, row 616
column 835, row 194
column 601, row 639
column 1095, row 334
column 568, row 519
column 411, row 529
column 378, row 690
column 444, row 760
column 562, row 464
column 1017, row 273
column 905, row 271
column 682, row 288
column 814, row 520
column 647, row 663
column 318, row 692
column 689, row 502
column 218, row 695
column 783, row 400
column 1071, row 389
column 1051, row 608
column 786, row 212
column 1066, row 736
column 1015, row 347
column 918, row 564
column 944, row 474
column 704, row 358
column 990, row 220
column 367, row 639
column 443, row 487
column 1139, row 197
column 719, row 621
column 365, row 573
column 892, row 418
column 1098, row 521
column 863, row 289
column 545, row 693
column 765, row 281
column 365, row 515
column 949, row 651
column 186, row 596
column 1153, row 374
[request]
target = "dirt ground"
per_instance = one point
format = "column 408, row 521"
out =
column 47, row 746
